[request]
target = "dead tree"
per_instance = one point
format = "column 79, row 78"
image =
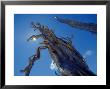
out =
column 68, row 60
column 91, row 27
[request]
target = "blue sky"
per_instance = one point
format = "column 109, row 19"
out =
column 85, row 42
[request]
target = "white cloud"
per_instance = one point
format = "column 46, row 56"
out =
column 53, row 66
column 88, row 53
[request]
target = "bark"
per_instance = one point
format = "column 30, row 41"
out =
column 68, row 60
column 91, row 27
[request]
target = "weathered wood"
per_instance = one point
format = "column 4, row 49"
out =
column 91, row 27
column 68, row 60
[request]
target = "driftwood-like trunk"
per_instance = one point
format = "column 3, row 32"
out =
column 68, row 60
column 91, row 27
